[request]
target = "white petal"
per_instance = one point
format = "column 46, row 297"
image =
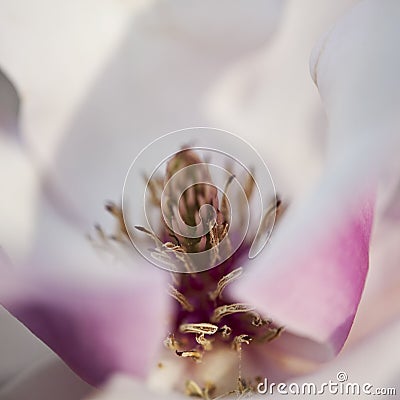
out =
column 356, row 69
column 66, row 44
column 269, row 99
column 154, row 82
column 19, row 188
column 124, row 388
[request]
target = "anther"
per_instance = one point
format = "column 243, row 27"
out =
column 224, row 281
column 223, row 311
column 202, row 328
column 225, row 331
column 180, row 298
column 193, row 389
column 193, row 354
column 171, row 343
column 239, row 340
column 203, row 342
column 259, row 321
column 116, row 212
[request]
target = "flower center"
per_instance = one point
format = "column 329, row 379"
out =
column 206, row 318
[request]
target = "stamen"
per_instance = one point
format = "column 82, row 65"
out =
column 180, row 298
column 175, row 279
column 259, row 321
column 223, row 311
column 147, row 232
column 202, row 341
column 239, row 340
column 193, row 354
column 171, row 343
column 224, row 202
column 226, row 331
column 100, row 232
column 173, row 247
column 193, row 389
column 155, row 186
column 273, row 333
column 243, row 388
column 200, row 294
column 163, row 258
column 249, row 184
column 214, row 241
column 237, row 346
column 185, row 260
column 202, row 328
column 268, row 220
column 224, row 281
column 208, row 390
column 116, row 211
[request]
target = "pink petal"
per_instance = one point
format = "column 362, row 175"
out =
column 312, row 278
column 111, row 324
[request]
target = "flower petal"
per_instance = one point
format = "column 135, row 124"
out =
column 125, row 388
column 155, row 82
column 313, row 282
column 312, row 278
column 48, row 380
column 19, row 349
column 355, row 67
column 355, row 360
column 228, row 30
column 269, row 100
column 111, row 324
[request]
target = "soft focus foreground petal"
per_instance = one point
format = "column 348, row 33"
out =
column 356, row 70
column 125, row 388
column 110, row 324
column 48, row 380
column 311, row 277
column 9, row 105
column 379, row 305
column 19, row 348
column 155, row 82
column 356, row 67
column 67, row 44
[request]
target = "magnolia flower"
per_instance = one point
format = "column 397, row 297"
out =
column 103, row 319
